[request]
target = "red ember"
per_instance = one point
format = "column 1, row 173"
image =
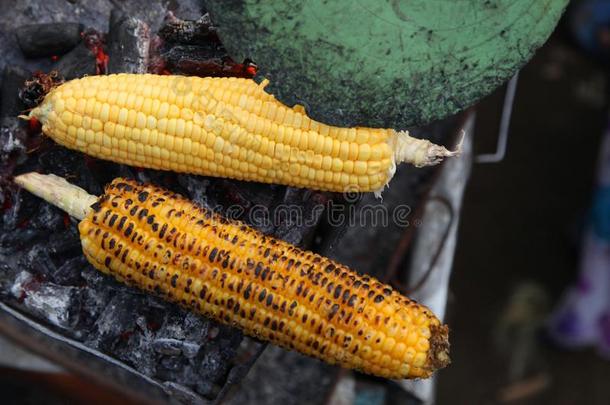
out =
column 96, row 41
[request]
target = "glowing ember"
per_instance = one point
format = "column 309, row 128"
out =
column 34, row 125
column 96, row 41
column 101, row 62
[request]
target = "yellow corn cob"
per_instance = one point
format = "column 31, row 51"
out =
column 224, row 127
column 158, row 241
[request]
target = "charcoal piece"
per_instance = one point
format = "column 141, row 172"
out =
column 211, row 365
column 95, row 279
column 185, row 10
column 58, row 305
column 196, row 328
column 103, row 171
column 38, row 86
column 273, row 375
column 135, row 349
column 156, row 177
column 190, row 32
column 198, row 53
column 47, row 258
column 79, row 62
column 177, row 369
column 298, row 215
column 24, row 163
column 215, row 357
column 122, row 329
column 7, row 275
column 51, row 39
column 169, row 347
column 173, row 363
column 139, row 350
column 196, row 188
column 95, row 300
column 48, row 218
column 236, row 375
column 13, row 78
column 13, row 141
column 125, row 171
column 176, row 347
column 13, row 137
column 183, row 341
column 37, row 261
column 154, row 303
column 128, row 44
column 116, row 321
column 182, row 394
column 61, row 244
column 184, row 327
column 17, row 239
column 99, row 290
column 59, row 161
column 190, row 350
column 19, row 208
column 86, row 178
column 207, row 59
column 151, row 12
column 69, row 273
column 245, row 201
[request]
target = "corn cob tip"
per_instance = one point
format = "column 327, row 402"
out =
column 421, row 152
column 415, row 151
column 57, row 191
column 438, row 355
column 40, row 113
column 30, row 114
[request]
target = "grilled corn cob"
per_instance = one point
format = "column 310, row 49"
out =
column 155, row 240
column 224, row 127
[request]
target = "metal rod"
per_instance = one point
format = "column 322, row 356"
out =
column 507, row 111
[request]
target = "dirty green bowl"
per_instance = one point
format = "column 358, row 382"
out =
column 386, row 63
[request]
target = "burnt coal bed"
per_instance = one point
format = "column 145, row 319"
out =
column 43, row 274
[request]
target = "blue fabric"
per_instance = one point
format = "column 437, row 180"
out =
column 587, row 19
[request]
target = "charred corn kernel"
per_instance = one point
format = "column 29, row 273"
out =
column 221, row 113
column 155, row 240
